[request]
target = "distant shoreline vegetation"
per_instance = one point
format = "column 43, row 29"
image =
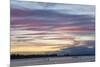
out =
column 17, row 56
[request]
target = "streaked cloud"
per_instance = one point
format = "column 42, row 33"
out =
column 35, row 25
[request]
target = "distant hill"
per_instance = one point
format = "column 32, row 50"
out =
column 77, row 51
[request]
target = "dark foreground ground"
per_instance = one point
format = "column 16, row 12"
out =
column 50, row 60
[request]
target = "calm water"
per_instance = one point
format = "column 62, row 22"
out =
column 51, row 60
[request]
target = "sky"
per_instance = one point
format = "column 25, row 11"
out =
column 43, row 28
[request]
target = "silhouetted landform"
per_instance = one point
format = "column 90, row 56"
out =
column 17, row 56
column 77, row 51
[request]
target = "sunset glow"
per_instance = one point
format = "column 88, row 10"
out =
column 41, row 28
